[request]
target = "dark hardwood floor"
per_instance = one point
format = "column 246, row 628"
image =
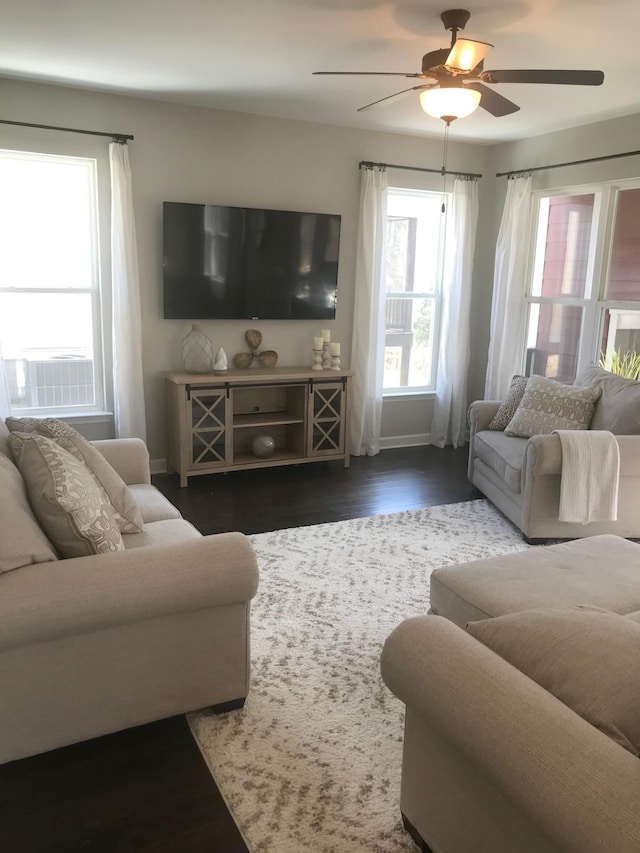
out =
column 148, row 788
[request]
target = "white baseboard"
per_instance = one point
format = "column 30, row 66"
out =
column 158, row 466
column 393, row 441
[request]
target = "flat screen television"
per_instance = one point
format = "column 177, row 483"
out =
column 228, row 263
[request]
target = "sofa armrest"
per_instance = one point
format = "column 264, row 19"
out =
column 574, row 782
column 46, row 601
column 481, row 413
column 129, row 457
column 543, row 456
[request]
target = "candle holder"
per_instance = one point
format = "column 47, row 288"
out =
column 317, row 360
column 326, row 356
column 335, row 362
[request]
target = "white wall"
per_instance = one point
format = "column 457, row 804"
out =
column 195, row 155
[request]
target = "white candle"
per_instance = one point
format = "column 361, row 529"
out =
column 334, row 349
column 326, row 335
column 317, row 342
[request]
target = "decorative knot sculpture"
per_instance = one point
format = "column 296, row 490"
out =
column 266, row 358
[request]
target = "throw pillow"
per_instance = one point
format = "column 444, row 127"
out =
column 22, row 540
column 510, row 403
column 548, row 405
column 618, row 408
column 65, row 497
column 125, row 509
column 587, row 657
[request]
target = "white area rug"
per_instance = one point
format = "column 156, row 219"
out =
column 312, row 762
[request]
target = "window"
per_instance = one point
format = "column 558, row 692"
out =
column 584, row 293
column 49, row 283
column 413, row 285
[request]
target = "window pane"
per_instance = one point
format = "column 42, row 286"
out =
column 553, row 341
column 562, row 251
column 413, row 240
column 47, row 348
column 400, row 254
column 46, row 222
column 620, row 347
column 409, row 338
column 624, row 271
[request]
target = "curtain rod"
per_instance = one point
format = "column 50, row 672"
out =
column 571, row 163
column 370, row 165
column 117, row 137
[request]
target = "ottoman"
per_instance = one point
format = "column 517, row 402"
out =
column 603, row 571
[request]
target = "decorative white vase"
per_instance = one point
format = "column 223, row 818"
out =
column 197, row 351
column 221, row 363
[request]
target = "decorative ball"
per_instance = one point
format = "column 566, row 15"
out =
column 263, row 446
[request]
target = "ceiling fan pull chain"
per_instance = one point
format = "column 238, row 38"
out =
column 445, row 155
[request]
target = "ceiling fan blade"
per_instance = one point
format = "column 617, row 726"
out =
column 466, row 54
column 371, row 73
column 568, row 78
column 492, row 102
column 395, row 95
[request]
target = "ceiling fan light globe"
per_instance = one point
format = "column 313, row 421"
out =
column 449, row 101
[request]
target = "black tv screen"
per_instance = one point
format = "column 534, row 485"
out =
column 227, row 263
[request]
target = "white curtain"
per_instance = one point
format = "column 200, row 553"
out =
column 5, row 397
column 368, row 316
column 449, row 422
column 508, row 305
column 127, row 326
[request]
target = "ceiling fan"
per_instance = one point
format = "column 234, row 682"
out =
column 458, row 72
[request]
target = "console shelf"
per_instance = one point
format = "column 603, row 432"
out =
column 212, row 419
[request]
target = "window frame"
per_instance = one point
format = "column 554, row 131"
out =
column 435, row 296
column 594, row 303
column 96, row 291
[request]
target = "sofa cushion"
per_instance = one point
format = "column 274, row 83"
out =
column 618, row 409
column 152, row 503
column 22, row 541
column 65, row 497
column 548, row 405
column 587, row 657
column 503, row 454
column 167, row 532
column 126, row 512
column 510, row 403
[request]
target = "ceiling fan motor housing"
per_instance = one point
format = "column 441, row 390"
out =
column 435, row 60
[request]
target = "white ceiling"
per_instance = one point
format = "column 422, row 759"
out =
column 257, row 56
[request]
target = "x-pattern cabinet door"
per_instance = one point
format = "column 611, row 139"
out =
column 208, row 412
column 327, row 403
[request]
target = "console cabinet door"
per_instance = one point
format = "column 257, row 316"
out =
column 207, row 410
column 327, row 417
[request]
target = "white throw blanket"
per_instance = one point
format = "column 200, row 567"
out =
column 589, row 478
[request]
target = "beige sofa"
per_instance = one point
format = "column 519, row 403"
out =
column 521, row 476
column 493, row 762
column 94, row 644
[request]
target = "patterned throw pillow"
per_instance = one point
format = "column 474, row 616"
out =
column 510, row 403
column 125, row 509
column 548, row 405
column 65, row 498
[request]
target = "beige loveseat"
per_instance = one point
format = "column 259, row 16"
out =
column 94, row 644
column 495, row 762
column 521, row 476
